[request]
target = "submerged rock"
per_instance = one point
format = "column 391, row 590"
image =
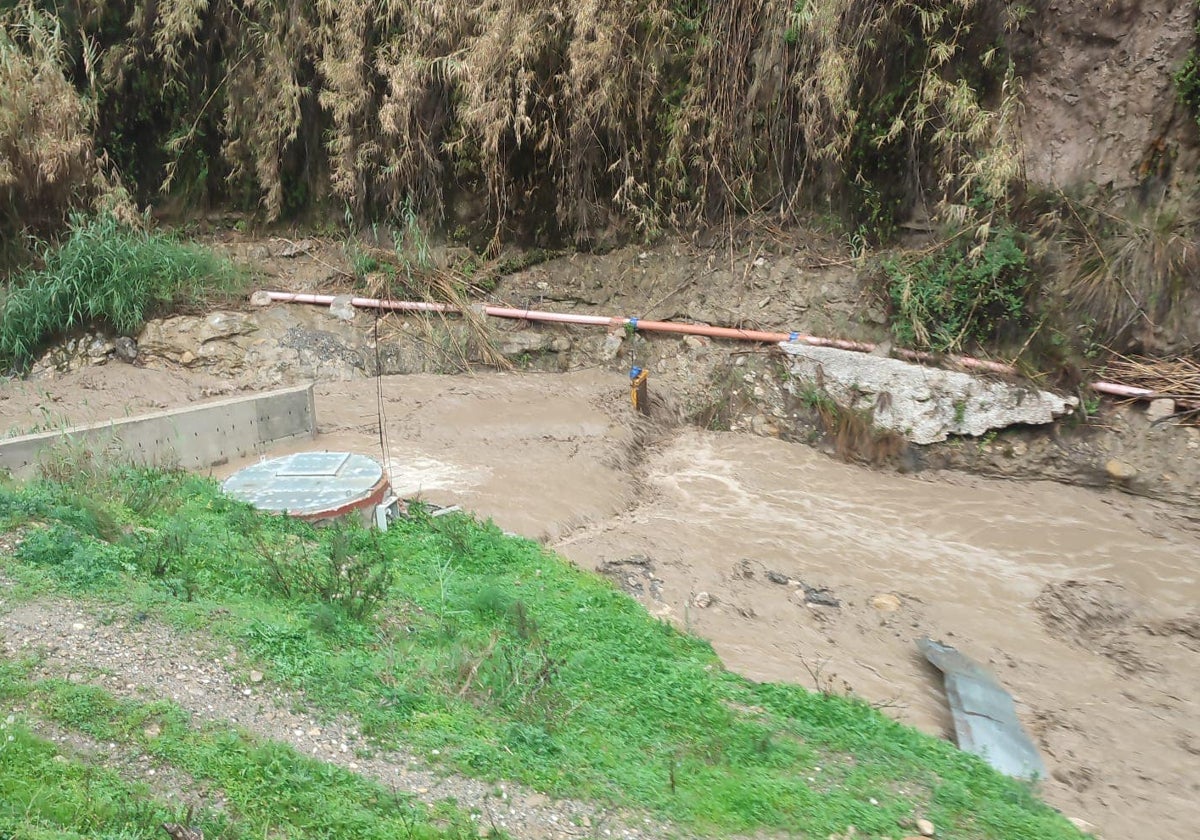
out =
column 886, row 602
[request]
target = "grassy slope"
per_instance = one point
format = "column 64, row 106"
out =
column 506, row 659
column 106, row 274
column 269, row 787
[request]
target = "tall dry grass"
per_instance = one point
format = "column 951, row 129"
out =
column 1127, row 267
column 47, row 163
column 592, row 113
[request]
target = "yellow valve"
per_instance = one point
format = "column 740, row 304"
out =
column 637, row 390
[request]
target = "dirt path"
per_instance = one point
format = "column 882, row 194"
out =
column 96, row 394
column 143, row 660
column 1082, row 602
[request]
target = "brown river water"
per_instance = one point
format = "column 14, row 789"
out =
column 1083, row 604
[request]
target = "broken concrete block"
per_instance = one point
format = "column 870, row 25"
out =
column 923, row 404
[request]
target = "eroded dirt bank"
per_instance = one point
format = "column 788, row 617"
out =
column 1081, row 601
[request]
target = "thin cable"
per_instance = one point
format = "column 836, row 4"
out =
column 380, row 410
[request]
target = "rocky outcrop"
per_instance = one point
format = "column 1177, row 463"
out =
column 924, row 405
column 80, row 352
column 1099, row 93
column 284, row 344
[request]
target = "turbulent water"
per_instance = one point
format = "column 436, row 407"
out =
column 1082, row 603
column 1078, row 601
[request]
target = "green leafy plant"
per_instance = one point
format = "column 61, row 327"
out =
column 816, row 398
column 1187, row 79
column 77, row 559
column 962, row 291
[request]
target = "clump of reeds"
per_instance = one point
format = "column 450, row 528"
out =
column 568, row 115
column 1127, row 268
column 106, row 273
column 46, row 157
column 1177, row 378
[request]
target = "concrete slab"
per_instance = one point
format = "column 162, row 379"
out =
column 195, row 437
column 924, row 404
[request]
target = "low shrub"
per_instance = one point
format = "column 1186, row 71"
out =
column 347, row 569
column 961, row 292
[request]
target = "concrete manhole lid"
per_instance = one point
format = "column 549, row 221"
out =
column 310, row 485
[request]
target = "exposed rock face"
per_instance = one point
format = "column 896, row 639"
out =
column 923, row 404
column 285, row 344
column 77, row 353
column 1100, row 100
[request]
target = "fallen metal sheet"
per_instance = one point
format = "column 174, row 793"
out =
column 985, row 719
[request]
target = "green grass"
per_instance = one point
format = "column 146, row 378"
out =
column 105, row 274
column 45, row 794
column 269, row 788
column 508, row 661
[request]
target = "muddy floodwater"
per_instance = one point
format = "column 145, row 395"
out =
column 800, row 568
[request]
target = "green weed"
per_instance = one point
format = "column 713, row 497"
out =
column 816, row 398
column 107, row 274
column 362, row 262
column 43, row 793
column 1187, row 78
column 270, row 788
column 77, row 559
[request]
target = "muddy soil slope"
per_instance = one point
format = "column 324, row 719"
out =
column 1099, row 93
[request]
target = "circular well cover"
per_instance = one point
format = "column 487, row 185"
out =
column 310, row 485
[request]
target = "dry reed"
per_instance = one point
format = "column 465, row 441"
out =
column 590, row 113
column 1177, row 378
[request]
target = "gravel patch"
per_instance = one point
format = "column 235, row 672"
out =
column 144, row 659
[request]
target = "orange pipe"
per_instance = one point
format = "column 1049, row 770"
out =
column 732, row 333
column 1133, row 392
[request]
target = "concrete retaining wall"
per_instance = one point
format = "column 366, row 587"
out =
column 197, row 437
